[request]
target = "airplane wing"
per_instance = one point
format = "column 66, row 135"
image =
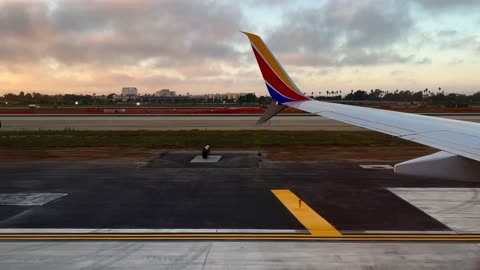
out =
column 458, row 140
column 453, row 136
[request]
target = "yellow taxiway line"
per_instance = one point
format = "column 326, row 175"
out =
column 319, row 228
column 315, row 224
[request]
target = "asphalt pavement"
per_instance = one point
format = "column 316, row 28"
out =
column 182, row 122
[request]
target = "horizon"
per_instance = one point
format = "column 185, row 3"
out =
column 72, row 47
column 327, row 93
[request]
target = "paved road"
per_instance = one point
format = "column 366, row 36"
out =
column 170, row 192
column 237, row 255
column 181, row 122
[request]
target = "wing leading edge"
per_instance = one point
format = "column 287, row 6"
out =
column 452, row 136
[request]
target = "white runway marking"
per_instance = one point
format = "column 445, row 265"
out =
column 141, row 164
column 209, row 159
column 128, row 231
column 377, row 167
column 29, row 199
column 393, row 232
column 457, row 208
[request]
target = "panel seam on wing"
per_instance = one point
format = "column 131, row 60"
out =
column 369, row 121
column 451, row 143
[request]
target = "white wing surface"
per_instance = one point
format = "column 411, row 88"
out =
column 453, row 136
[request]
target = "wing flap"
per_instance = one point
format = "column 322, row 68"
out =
column 453, row 142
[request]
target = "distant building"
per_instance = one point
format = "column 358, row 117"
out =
column 165, row 93
column 129, row 91
column 231, row 96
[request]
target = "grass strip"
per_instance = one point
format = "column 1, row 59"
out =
column 195, row 138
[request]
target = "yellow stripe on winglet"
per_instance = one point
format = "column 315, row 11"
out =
column 314, row 223
column 263, row 50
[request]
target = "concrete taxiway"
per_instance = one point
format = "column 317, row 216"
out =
column 319, row 215
column 183, row 122
column 237, row 255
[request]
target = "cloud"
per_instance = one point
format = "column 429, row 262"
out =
column 397, row 73
column 266, row 3
column 459, row 41
column 373, row 25
column 456, row 61
column 447, row 33
column 344, row 33
column 108, row 33
column 364, row 58
column 201, row 70
column 187, row 43
column 442, row 5
column 424, row 61
column 23, row 20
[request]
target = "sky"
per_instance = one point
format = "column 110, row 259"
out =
column 93, row 46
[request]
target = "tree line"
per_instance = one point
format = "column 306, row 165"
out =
column 437, row 97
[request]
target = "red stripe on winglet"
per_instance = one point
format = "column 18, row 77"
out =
column 274, row 81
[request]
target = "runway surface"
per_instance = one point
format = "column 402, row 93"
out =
column 319, row 215
column 182, row 122
column 243, row 192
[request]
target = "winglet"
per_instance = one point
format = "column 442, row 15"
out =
column 280, row 86
column 270, row 112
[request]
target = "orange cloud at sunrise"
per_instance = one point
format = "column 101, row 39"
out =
column 196, row 46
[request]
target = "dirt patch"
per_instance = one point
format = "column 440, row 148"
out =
column 352, row 154
column 123, row 154
column 86, row 154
